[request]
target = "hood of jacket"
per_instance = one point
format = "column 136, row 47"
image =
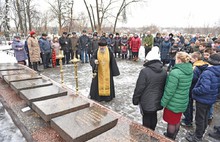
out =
column 214, row 69
column 186, row 68
column 155, row 65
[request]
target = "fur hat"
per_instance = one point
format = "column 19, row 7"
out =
column 214, row 59
column 154, row 54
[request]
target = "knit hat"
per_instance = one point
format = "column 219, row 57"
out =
column 154, row 54
column 44, row 34
column 32, row 33
column 214, row 59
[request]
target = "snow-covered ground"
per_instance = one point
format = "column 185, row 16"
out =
column 8, row 131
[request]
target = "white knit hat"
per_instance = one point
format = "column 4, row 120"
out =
column 154, row 54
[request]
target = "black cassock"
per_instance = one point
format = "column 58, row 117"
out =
column 114, row 71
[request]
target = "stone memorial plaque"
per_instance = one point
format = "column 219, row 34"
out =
column 13, row 72
column 55, row 107
column 127, row 131
column 5, row 67
column 42, row 93
column 29, row 84
column 84, row 124
column 21, row 77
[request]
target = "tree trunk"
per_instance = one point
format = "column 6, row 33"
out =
column 28, row 14
column 90, row 18
column 71, row 16
column 115, row 24
column 19, row 15
column 7, row 21
column 93, row 17
column 25, row 19
column 98, row 17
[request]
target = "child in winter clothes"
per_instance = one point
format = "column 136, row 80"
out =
column 198, row 67
column 205, row 93
column 175, row 98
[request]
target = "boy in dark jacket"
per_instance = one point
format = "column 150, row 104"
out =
column 205, row 93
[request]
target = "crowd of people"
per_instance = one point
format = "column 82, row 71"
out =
column 193, row 74
column 178, row 70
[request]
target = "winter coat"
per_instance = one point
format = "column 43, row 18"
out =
column 172, row 52
column 34, row 49
column 74, row 43
column 19, row 50
column 117, row 44
column 111, row 44
column 149, row 40
column 158, row 41
column 176, row 94
column 207, row 87
column 45, row 45
column 56, row 46
column 84, row 42
column 65, row 44
column 150, row 86
column 135, row 44
column 164, row 50
column 94, row 45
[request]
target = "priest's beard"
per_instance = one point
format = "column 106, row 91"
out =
column 102, row 50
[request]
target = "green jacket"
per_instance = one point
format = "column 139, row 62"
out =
column 149, row 39
column 176, row 93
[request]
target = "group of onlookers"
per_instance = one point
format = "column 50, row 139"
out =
column 193, row 74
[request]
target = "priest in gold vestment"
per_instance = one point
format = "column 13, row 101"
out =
column 104, row 67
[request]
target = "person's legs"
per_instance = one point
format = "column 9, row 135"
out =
column 47, row 59
column 146, row 120
column 82, row 56
column 44, row 58
column 171, row 130
column 188, row 114
column 153, row 120
column 201, row 119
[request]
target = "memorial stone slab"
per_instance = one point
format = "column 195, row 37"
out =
column 84, row 124
column 55, row 107
column 42, row 93
column 5, row 67
column 14, row 72
column 29, row 84
column 21, row 77
column 128, row 131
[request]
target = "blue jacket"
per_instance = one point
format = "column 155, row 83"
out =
column 45, row 46
column 207, row 88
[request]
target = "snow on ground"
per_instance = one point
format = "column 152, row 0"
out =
column 8, row 131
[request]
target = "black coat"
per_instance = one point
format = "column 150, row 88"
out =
column 150, row 86
column 65, row 44
column 114, row 71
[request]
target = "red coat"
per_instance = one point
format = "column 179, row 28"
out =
column 135, row 44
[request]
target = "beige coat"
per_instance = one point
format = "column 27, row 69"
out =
column 34, row 49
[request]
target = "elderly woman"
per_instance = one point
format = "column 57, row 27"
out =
column 20, row 53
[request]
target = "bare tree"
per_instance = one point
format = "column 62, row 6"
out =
column 6, row 22
column 59, row 11
column 90, row 17
column 123, row 6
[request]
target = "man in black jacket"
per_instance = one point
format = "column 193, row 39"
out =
column 84, row 42
column 65, row 44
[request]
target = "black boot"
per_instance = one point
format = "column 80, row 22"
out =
column 169, row 135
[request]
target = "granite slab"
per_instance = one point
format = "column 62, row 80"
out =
column 84, row 124
column 13, row 72
column 55, row 107
column 29, row 84
column 128, row 131
column 5, row 67
column 42, row 93
column 21, row 77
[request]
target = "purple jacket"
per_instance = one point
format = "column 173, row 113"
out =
column 20, row 53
